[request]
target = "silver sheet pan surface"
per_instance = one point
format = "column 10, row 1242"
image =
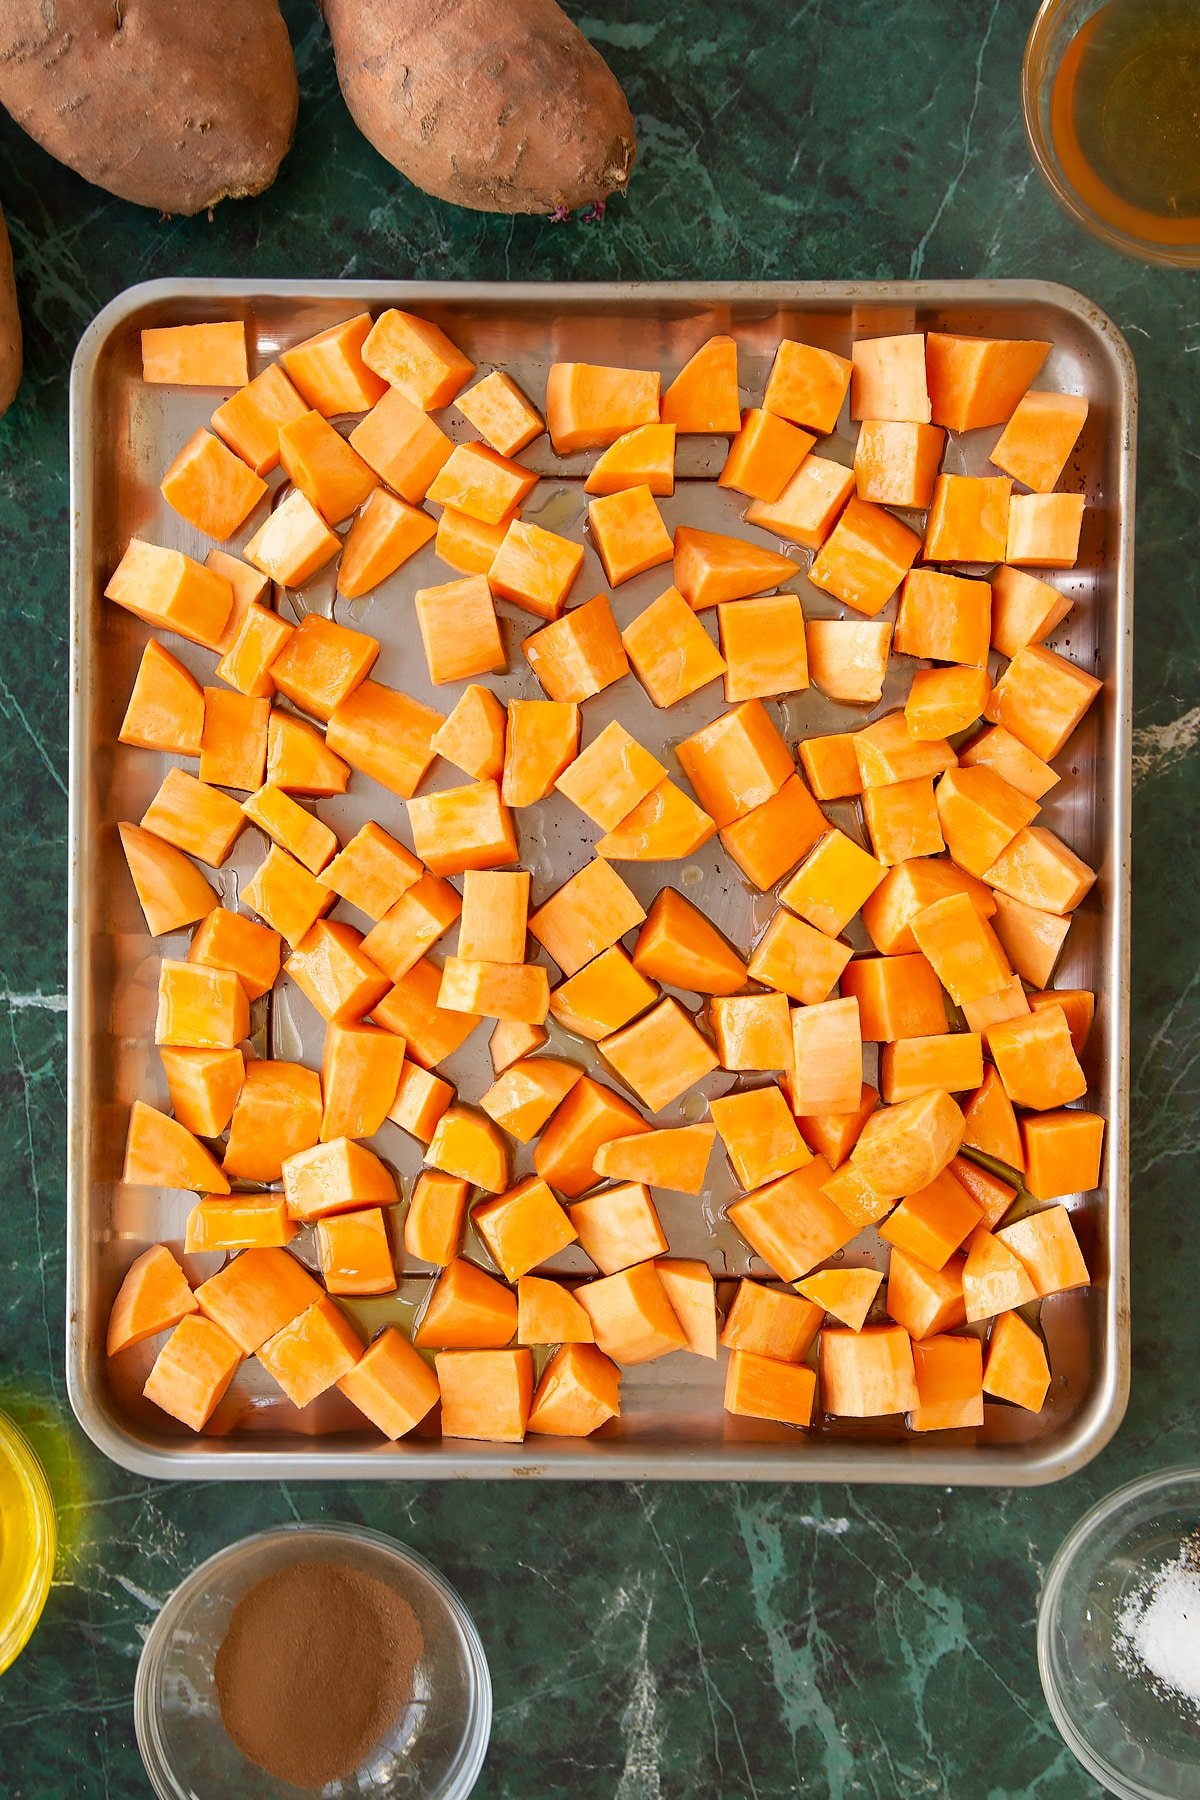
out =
column 123, row 436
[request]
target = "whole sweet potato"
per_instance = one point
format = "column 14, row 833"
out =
column 10, row 325
column 174, row 104
column 500, row 105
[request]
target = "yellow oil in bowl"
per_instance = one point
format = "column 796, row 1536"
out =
column 28, row 1537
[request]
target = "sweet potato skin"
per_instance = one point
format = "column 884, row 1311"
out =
column 10, row 325
column 498, row 105
column 163, row 102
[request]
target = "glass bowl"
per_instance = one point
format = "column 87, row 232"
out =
column 28, row 1539
column 436, row 1747
column 1141, row 1744
column 1090, row 202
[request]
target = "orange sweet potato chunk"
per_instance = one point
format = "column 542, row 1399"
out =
column 411, row 1010
column 172, row 592
column 1039, row 437
column 472, row 735
column 888, row 379
column 402, row 444
column 588, row 406
column 415, row 356
column 311, row 1352
column 193, row 1370
column 548, row 1313
column 170, row 888
column 736, row 762
column 209, row 355
column 256, row 1295
column 763, row 644
column 602, row 996
column 1062, row 1151
column 391, row 1384
column 580, row 654
column 204, row 1086
column 276, row 1115
column 764, row 455
column 641, row 458
column 1016, row 1368
column 711, row 567
column 293, row 543
column 868, row 1373
column 608, row 779
column 337, row 1176
column 437, row 1211
column 590, row 911
column 704, row 394
column 524, row 1227
column 660, row 1055
column 153, row 1296
column 791, row 1223
column 467, row 1310
column 380, row 540
column 847, row 658
column 535, row 569
column 467, row 1144
column 674, row 1158
column 210, row 487
column 949, row 1371
column 663, row 827
column 978, row 381
column 463, row 828
column 672, row 654
column 761, row 1387
column 318, row 460
column 896, row 462
column 360, row 1071
column 580, row 1390
column 632, row 1316
column 485, row 1393
column 807, row 508
column 249, row 420
column 479, row 482
column 500, row 413
column 591, row 1115
column 807, row 385
column 329, row 371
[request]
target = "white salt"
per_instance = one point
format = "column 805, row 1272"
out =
column 1158, row 1631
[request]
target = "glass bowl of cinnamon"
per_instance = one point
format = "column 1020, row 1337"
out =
column 314, row 1658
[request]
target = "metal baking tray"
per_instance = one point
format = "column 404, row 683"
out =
column 124, row 433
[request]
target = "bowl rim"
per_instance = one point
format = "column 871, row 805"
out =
column 1181, row 256
column 1104, row 1510
column 477, row 1726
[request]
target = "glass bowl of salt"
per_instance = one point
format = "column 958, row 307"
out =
column 1119, row 1638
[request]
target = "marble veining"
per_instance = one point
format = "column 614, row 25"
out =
column 647, row 1643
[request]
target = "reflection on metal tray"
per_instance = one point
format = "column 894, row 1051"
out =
column 124, row 434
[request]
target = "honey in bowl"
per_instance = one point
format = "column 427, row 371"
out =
column 1125, row 117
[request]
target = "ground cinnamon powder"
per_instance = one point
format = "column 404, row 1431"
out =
column 316, row 1666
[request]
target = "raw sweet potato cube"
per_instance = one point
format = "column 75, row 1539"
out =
column 806, row 510
column 888, row 378
column 736, row 762
column 372, row 871
column 898, row 997
column 834, row 1135
column 996, row 748
column 500, row 413
column 524, row 1227
column 194, row 817
column 286, row 895
column 467, row 1310
column 335, row 1177
column 322, row 664
column 925, row 1301
column 949, row 1371
column 412, row 1012
column 931, row 1224
column 293, row 543
column 1043, row 529
column 847, row 1294
column 771, row 1322
column 761, row 1387
column 210, row 487
column 1016, row 1368
column 832, row 883
column 542, row 740
column 256, row 1295
column 391, row 1384
column 704, row 394
column 548, row 1313
column 166, row 705
column 153, row 1296
column 193, row 1370
column 249, row 420
column 249, row 589
column 644, row 457
column 632, row 1317
column 791, row 1223
column 679, row 945
column 590, row 1115
column 943, row 702
column 494, row 990
column 807, row 385
column 1008, row 1002
column 763, row 644
column 204, row 1086
column 896, row 462
column 827, row 1056
column 1032, row 939
column 260, row 638
column 711, row 567
column 467, row 544
column 1025, row 609
column 208, row 355
column 903, row 1148
column 991, row 1195
column 495, row 911
column 1062, row 1152
column 419, row 1102
column 589, row 406
column 1039, row 869
column 608, row 779
column 200, row 1008
column 463, row 828
column 233, row 745
column 522, row 1098
column 472, row 735
column 332, row 968
column 1036, row 1060
column 1047, row 1246
column 170, row 591
column 906, row 890
column 618, row 1226
column 978, row 381
column 170, row 889
column 459, row 629
column 663, row 827
column 468, row 1145
column 854, row 1194
column 674, row 1158
column 485, row 1393
column 580, row 1390
column 433, row 1225
column 980, row 816
column 991, row 1124
column 903, row 821
column 318, row 460
column 277, row 1115
column 993, row 1278
column 752, row 1031
column 355, row 1252
column 245, row 1222
column 964, row 950
column 535, row 569
column 798, row 960
column 831, row 766
column 944, row 618
column 329, row 371
column 1079, row 1005
column 968, row 519
column 672, row 654
column 602, row 996
column 1040, row 435
column 580, row 654
column 1040, row 698
column 768, row 840
column 590, row 911
column 865, row 557
column 228, row 940
column 759, row 1135
column 300, row 761
column 481, row 483
column 510, row 1041
column 886, row 752
column 865, row 1374
column 847, row 658
column 291, row 826
column 764, row 455
column 402, row 444
column 660, row 1055
column 416, row 356
column 380, row 540
column 629, row 534
column 360, row 1071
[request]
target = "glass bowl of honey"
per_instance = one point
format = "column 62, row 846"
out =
column 1111, row 94
column 28, row 1539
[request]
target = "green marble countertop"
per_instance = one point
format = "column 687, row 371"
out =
column 646, row 1642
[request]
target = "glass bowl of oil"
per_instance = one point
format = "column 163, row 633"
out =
column 28, row 1538
column 1111, row 94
